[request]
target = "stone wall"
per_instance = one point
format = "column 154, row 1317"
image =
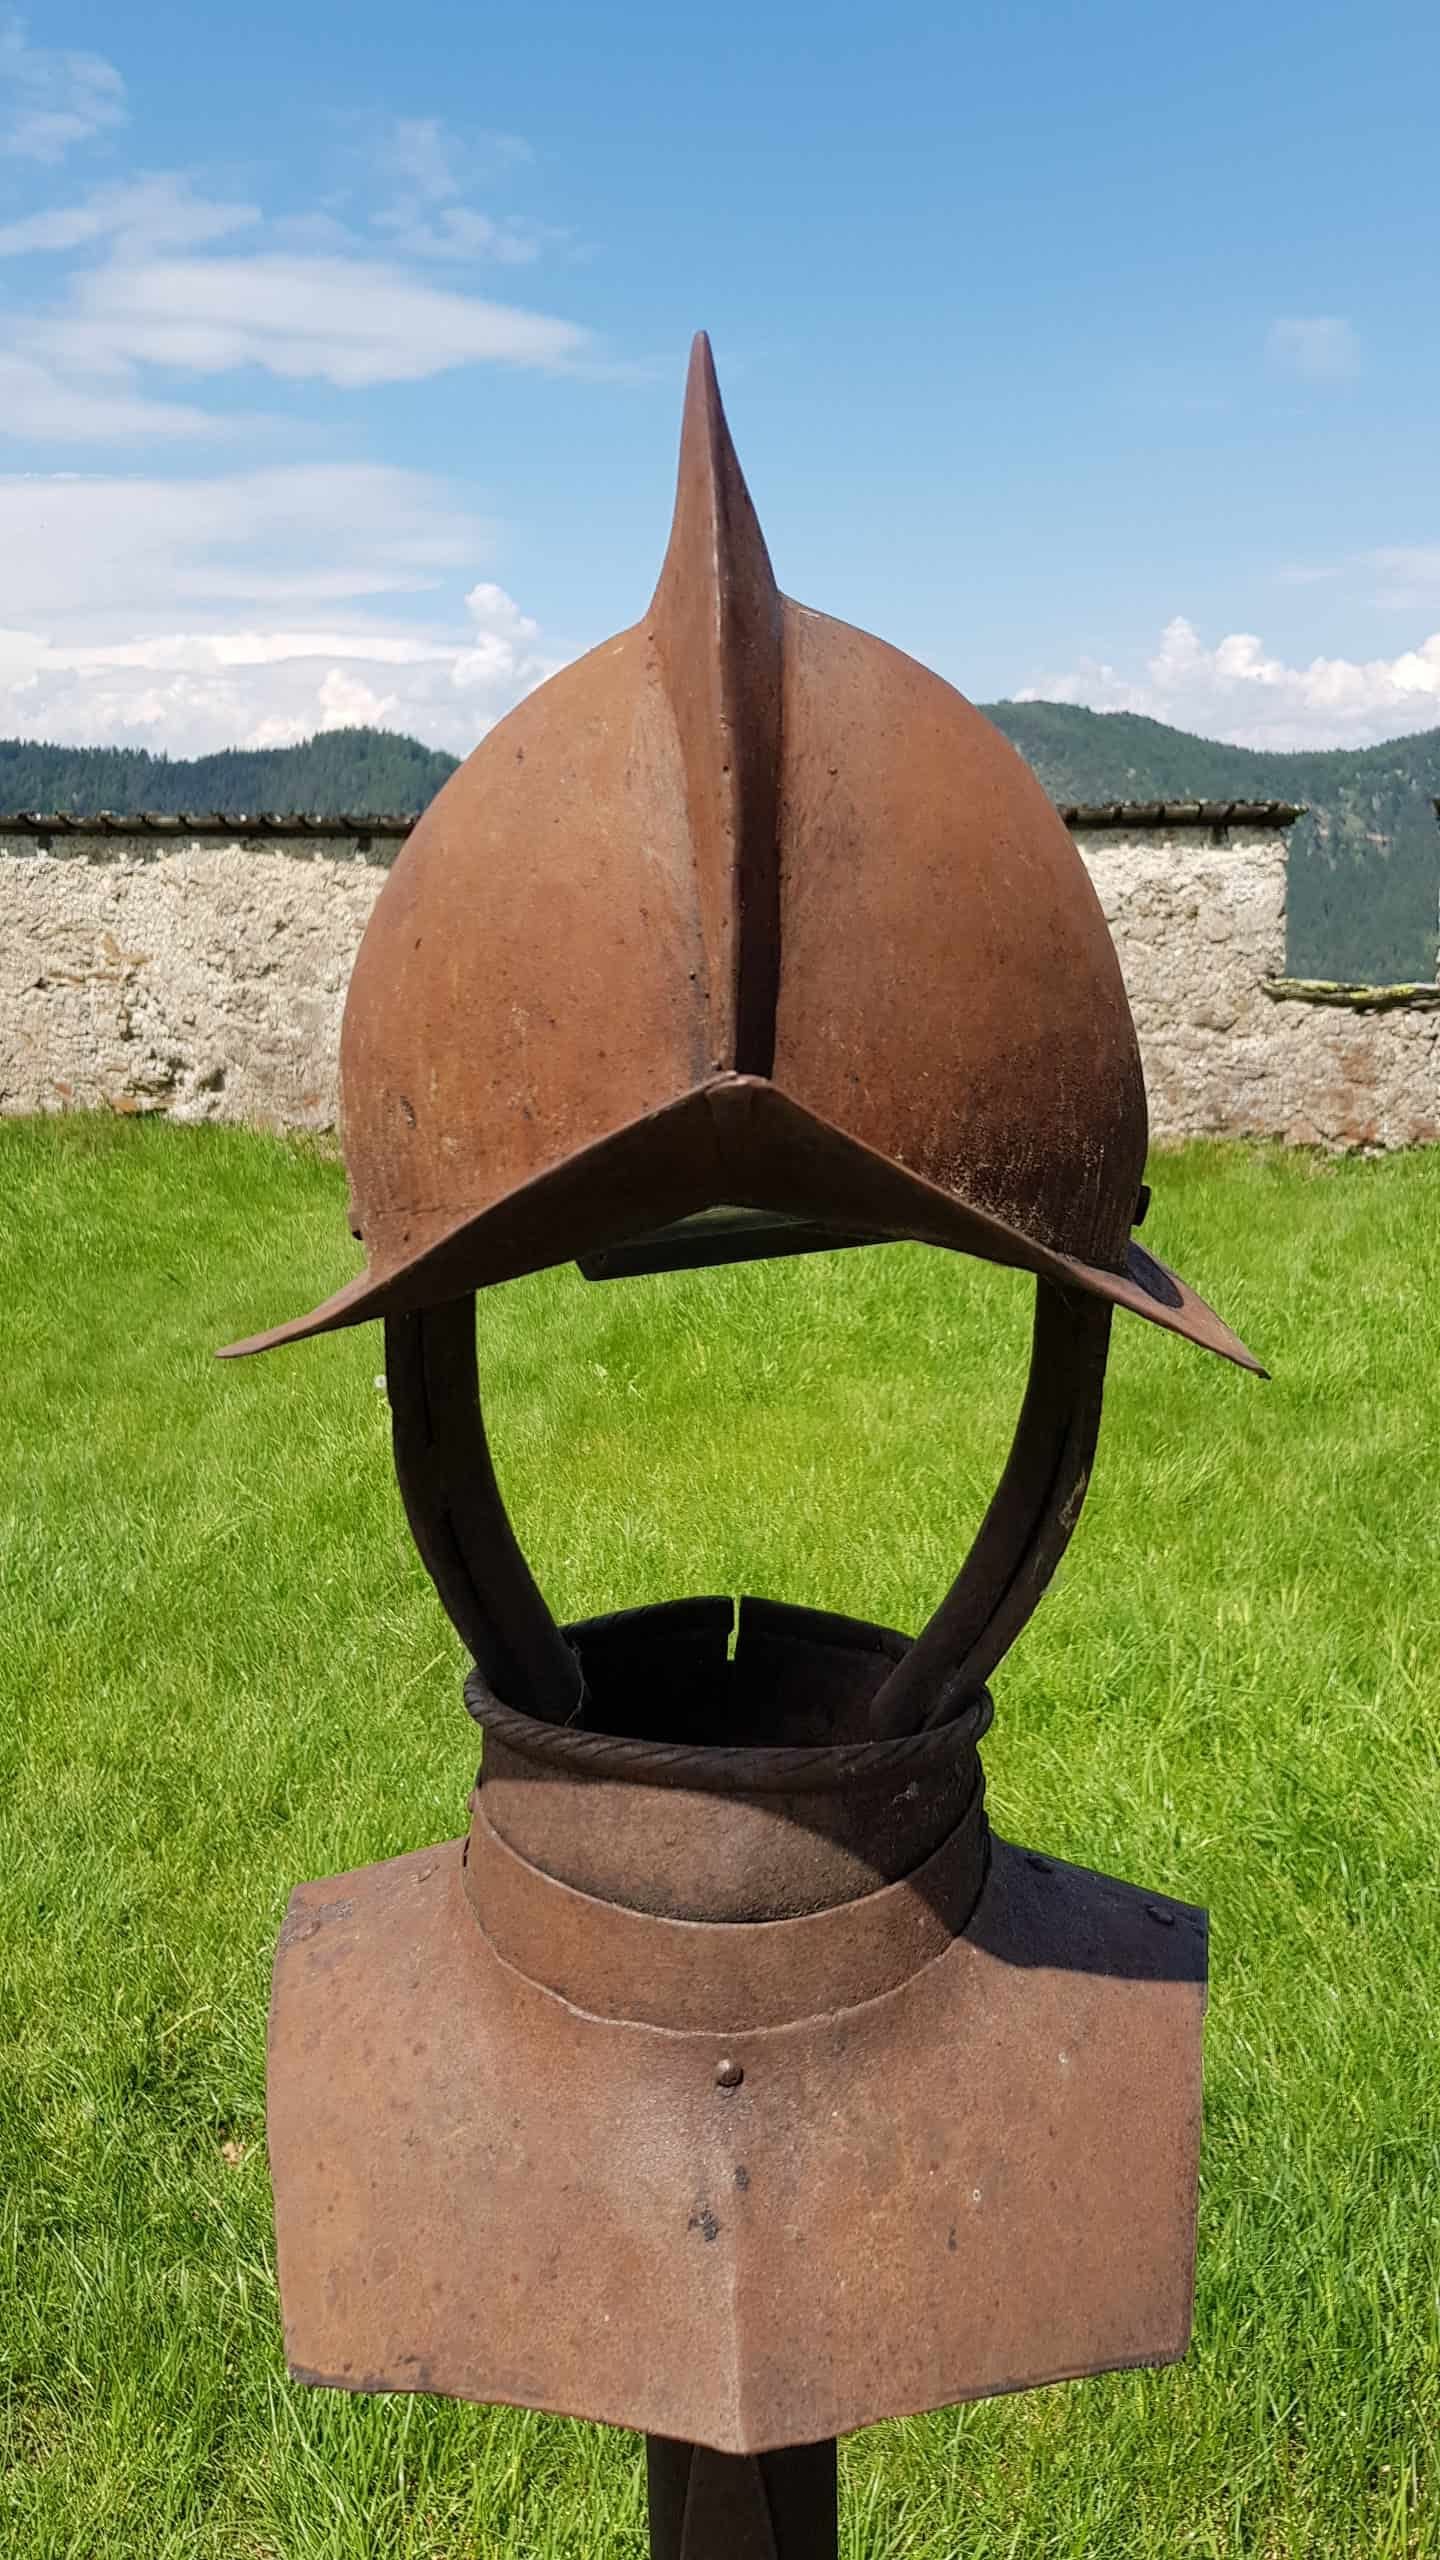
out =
column 1231, row 1047
column 207, row 980
column 205, row 975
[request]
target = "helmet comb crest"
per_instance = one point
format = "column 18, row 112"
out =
column 716, row 622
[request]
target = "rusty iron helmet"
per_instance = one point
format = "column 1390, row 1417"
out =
column 744, row 934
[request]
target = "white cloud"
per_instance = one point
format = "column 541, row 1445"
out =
column 458, row 231
column 425, row 157
column 420, row 153
column 190, row 692
column 151, row 279
column 1322, row 348
column 192, row 609
column 507, row 642
column 427, row 217
column 1409, row 573
column 1398, row 574
column 347, row 321
column 109, row 554
column 37, row 401
column 1237, row 691
column 49, row 101
column 100, row 646
column 159, row 212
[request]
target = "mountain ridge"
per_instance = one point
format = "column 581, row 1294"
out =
column 1364, row 885
column 1364, row 865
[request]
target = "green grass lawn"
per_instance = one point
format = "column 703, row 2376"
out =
column 224, row 1671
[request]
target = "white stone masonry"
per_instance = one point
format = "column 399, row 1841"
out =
column 206, row 978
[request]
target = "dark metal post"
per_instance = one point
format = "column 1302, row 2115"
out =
column 733, row 2506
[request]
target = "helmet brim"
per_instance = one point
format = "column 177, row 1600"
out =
column 737, row 1141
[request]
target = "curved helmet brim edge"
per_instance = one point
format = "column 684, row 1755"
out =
column 742, row 1140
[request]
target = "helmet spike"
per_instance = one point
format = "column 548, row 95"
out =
column 715, row 624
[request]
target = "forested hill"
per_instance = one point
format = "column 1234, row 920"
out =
column 1365, row 864
column 374, row 772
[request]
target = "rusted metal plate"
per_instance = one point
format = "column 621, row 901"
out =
column 724, row 1767
column 744, row 910
column 604, row 1957
column 981, row 2179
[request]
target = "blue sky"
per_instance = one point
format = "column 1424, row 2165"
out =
column 1083, row 352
